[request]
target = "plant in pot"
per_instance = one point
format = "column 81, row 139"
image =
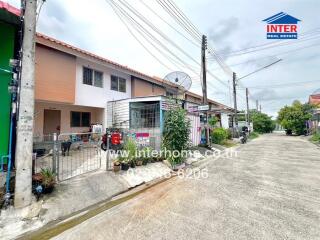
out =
column 125, row 164
column 48, row 180
column 145, row 161
column 139, row 162
column 116, row 166
column 130, row 149
column 132, row 163
column 144, row 155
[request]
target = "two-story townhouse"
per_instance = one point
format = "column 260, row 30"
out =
column 75, row 88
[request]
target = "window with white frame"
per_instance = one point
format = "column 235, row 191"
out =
column 92, row 77
column 118, row 84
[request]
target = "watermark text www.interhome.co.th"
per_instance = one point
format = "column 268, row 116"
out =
column 165, row 153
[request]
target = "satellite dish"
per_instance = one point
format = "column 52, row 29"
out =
column 180, row 82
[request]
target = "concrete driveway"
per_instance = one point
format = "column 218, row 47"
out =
column 271, row 190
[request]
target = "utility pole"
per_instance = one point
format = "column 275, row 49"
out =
column 204, row 82
column 204, row 70
column 23, row 184
column 248, row 113
column 234, row 81
column 260, row 108
column 257, row 105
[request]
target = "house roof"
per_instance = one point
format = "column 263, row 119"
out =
column 281, row 18
column 9, row 13
column 314, row 99
column 67, row 48
column 209, row 100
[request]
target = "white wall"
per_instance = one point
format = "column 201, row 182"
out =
column 224, row 120
column 195, row 133
column 92, row 96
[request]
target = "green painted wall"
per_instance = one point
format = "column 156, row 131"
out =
column 7, row 35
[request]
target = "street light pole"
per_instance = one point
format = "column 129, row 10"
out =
column 248, row 113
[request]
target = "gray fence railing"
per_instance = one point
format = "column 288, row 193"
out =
column 76, row 154
column 67, row 154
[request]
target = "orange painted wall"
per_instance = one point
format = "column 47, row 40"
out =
column 140, row 88
column 55, row 75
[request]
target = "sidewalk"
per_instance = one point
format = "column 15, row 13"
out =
column 76, row 194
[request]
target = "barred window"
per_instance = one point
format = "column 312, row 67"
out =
column 92, row 77
column 87, row 76
column 114, row 83
column 122, row 85
column 98, row 79
column 118, row 84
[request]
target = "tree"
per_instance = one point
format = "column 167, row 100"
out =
column 262, row 123
column 176, row 134
column 294, row 117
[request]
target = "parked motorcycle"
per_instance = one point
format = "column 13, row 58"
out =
column 112, row 140
column 244, row 135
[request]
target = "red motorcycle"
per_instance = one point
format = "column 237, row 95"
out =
column 112, row 140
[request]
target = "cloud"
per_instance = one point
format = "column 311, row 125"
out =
column 265, row 94
column 223, row 30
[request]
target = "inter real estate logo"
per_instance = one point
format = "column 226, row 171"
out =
column 282, row 26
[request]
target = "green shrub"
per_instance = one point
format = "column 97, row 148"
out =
column 315, row 137
column 213, row 121
column 219, row 135
column 176, row 134
column 253, row 135
column 229, row 132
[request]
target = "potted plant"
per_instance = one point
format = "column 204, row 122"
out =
column 116, row 166
column 139, row 162
column 132, row 163
column 125, row 165
column 48, row 180
column 145, row 161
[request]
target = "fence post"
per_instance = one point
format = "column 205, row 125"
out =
column 108, row 153
column 55, row 153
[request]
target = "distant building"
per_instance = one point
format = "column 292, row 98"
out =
column 314, row 98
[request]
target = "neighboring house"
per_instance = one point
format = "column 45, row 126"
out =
column 9, row 26
column 314, row 99
column 75, row 88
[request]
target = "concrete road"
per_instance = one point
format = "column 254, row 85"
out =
column 270, row 191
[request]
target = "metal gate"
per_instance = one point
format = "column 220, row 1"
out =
column 76, row 154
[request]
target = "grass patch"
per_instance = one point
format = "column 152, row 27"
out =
column 228, row 143
column 315, row 137
column 253, row 135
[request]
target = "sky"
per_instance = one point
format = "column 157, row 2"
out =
column 230, row 26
